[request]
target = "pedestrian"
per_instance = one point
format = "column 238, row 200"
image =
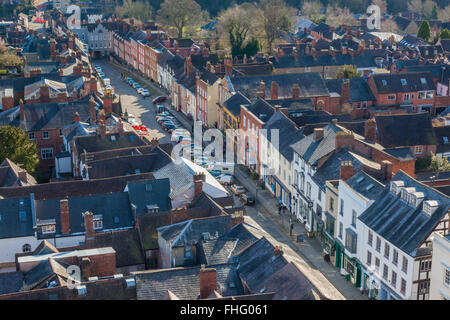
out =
column 291, row 228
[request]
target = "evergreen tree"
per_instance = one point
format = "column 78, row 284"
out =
column 424, row 31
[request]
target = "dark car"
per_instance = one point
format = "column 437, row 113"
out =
column 159, row 99
column 247, row 199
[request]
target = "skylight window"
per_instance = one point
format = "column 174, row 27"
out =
column 423, row 80
column 445, row 140
column 384, row 82
column 369, row 187
column 359, row 179
column 403, row 82
column 23, row 215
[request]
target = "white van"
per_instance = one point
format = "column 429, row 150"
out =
column 222, row 167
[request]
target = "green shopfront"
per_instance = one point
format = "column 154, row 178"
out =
column 348, row 266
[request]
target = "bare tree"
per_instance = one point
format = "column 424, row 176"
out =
column 425, row 8
column 179, row 14
column 138, row 10
column 382, row 4
column 389, row 25
column 444, row 14
column 340, row 16
column 311, row 9
column 276, row 18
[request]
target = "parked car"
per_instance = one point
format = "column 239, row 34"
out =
column 247, row 199
column 237, row 189
column 225, row 179
column 160, row 108
column 145, row 93
column 159, row 99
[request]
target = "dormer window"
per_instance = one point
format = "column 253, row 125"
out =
column 152, row 208
column 406, row 192
column 415, row 198
column 98, row 222
column 49, row 228
column 396, row 186
column 430, row 206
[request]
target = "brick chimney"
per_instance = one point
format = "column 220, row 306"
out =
column 262, row 89
column 318, row 134
column 102, row 129
column 343, row 140
column 346, row 170
column 370, row 130
column 274, row 91
column 35, row 72
column 7, row 103
column 52, row 48
column 93, row 110
column 23, row 176
column 71, row 41
column 386, row 170
column 119, row 127
column 107, row 103
column 89, row 225
column 228, row 64
column 199, row 178
column 61, row 72
column 22, row 110
column 64, row 216
column 44, row 92
column 345, row 92
column 208, row 281
column 85, row 266
column 295, row 91
column 188, row 68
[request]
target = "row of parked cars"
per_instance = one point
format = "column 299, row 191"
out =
column 167, row 121
column 245, row 197
column 139, row 89
column 105, row 80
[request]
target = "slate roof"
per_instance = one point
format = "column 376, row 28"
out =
column 311, row 84
column 123, row 165
column 359, row 89
column 245, row 238
column 217, row 251
column 311, row 150
column 394, row 84
column 305, row 118
column 365, row 185
column 94, row 143
column 405, row 130
column 10, row 282
column 287, row 134
column 261, row 109
column 185, row 282
column 46, row 270
column 404, row 226
column 329, row 170
column 442, row 143
column 114, row 207
column 258, row 263
column 149, row 192
column 190, row 232
column 9, row 175
column 14, row 223
column 436, row 71
column 74, row 188
column 47, row 116
column 233, row 104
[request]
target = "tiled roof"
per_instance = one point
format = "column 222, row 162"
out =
column 233, row 104
column 393, row 82
column 184, row 283
column 16, row 218
column 359, row 89
column 217, row 251
column 150, row 192
column 366, row 185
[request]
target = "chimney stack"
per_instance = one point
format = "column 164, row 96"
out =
column 370, row 130
column 208, row 281
column 386, row 170
column 7, row 102
column 345, row 92
column 274, row 91
column 93, row 110
column 44, row 92
column 343, row 140
column 346, row 170
column 318, row 134
column 89, row 225
column 23, row 176
column 199, row 178
column 228, row 64
column 295, row 91
column 262, row 89
column 22, row 110
column 120, row 129
column 102, row 129
column 64, row 215
column 85, row 266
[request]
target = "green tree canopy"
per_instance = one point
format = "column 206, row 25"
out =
column 445, row 34
column 424, row 31
column 15, row 145
column 438, row 164
column 349, row 72
column 135, row 9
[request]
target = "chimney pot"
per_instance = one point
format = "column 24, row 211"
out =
column 64, row 216
column 208, row 281
column 89, row 225
column 318, row 134
column 346, row 170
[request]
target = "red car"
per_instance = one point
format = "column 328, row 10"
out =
column 159, row 99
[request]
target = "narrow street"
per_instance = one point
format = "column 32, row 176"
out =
column 264, row 215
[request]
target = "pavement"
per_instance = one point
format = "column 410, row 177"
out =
column 307, row 255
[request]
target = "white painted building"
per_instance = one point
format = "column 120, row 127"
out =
column 440, row 268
